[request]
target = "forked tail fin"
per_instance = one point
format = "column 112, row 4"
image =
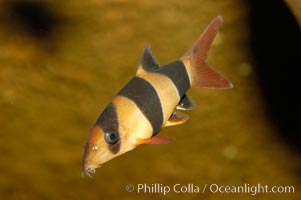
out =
column 200, row 72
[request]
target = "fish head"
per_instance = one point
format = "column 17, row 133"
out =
column 118, row 130
column 111, row 136
column 101, row 147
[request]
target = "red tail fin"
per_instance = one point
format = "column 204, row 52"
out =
column 202, row 75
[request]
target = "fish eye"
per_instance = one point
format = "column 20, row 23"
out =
column 112, row 137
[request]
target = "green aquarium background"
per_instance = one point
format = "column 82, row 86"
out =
column 62, row 61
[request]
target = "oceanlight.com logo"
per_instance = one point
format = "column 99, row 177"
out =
column 190, row 188
column 251, row 189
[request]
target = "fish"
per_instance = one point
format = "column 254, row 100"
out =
column 151, row 100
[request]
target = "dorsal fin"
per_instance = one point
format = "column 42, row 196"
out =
column 148, row 61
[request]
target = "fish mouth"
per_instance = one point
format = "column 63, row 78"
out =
column 89, row 171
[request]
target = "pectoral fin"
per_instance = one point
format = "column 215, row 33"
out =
column 177, row 118
column 155, row 140
column 186, row 103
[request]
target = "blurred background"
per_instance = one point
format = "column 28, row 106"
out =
column 62, row 61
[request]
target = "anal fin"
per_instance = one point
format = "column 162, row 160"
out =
column 186, row 103
column 177, row 118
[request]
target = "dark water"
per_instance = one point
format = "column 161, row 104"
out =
column 276, row 45
column 62, row 62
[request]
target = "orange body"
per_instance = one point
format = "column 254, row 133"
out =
column 150, row 101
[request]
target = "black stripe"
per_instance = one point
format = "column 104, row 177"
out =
column 176, row 71
column 108, row 121
column 146, row 98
